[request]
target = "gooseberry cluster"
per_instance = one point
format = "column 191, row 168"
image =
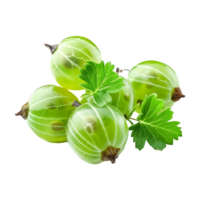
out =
column 96, row 127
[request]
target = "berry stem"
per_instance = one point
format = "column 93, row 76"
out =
column 132, row 118
column 24, row 111
column 177, row 94
column 110, row 154
column 52, row 47
column 121, row 70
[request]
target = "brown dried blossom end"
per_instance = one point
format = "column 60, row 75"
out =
column 50, row 47
column 76, row 104
column 178, row 94
column 23, row 111
column 110, row 155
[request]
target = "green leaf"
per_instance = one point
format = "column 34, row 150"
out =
column 154, row 126
column 100, row 79
column 101, row 98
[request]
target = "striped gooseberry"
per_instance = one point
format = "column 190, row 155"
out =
column 47, row 112
column 97, row 134
column 69, row 57
column 154, row 77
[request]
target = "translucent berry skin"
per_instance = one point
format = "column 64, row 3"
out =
column 124, row 99
column 153, row 77
column 91, row 130
column 49, row 110
column 69, row 57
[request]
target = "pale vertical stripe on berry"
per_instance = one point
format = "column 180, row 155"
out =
column 53, row 135
column 101, row 122
column 67, row 58
column 89, row 58
column 114, row 117
column 83, row 154
column 57, row 97
column 149, row 84
column 148, row 67
column 70, row 124
column 88, row 133
column 88, row 44
column 64, row 74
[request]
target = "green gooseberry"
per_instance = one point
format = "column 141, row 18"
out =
column 46, row 112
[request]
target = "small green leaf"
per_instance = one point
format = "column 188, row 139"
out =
column 154, row 126
column 101, row 99
column 100, row 79
column 107, row 97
